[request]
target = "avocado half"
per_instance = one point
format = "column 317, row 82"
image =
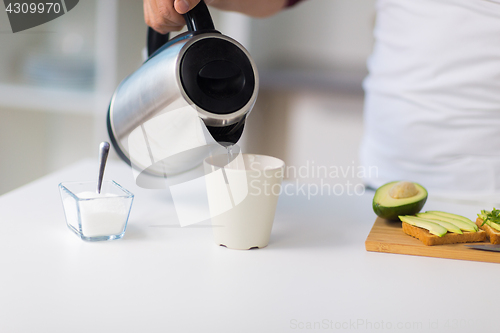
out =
column 390, row 207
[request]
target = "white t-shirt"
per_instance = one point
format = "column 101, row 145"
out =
column 432, row 110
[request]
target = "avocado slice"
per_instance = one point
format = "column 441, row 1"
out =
column 484, row 216
column 452, row 218
column 449, row 226
column 399, row 198
column 433, row 228
column 493, row 225
column 450, row 215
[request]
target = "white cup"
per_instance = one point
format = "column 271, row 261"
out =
column 242, row 198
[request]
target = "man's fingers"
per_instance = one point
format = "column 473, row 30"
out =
column 161, row 16
column 184, row 6
column 164, row 11
column 166, row 15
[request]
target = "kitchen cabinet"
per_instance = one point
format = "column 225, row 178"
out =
column 67, row 65
column 56, row 81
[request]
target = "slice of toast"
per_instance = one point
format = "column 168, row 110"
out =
column 449, row 238
column 492, row 234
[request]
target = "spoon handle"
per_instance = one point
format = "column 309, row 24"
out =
column 103, row 156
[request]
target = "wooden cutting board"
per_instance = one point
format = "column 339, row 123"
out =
column 388, row 236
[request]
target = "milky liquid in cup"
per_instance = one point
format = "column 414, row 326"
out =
column 105, row 215
column 243, row 217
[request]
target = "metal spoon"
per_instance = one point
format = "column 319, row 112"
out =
column 103, row 156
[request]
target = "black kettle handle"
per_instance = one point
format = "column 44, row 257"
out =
column 155, row 40
column 197, row 19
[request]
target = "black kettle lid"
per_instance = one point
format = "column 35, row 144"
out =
column 217, row 75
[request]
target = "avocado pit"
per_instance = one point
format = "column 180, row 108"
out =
column 402, row 190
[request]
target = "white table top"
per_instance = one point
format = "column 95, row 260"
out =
column 315, row 275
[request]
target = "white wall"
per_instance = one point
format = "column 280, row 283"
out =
column 33, row 143
column 315, row 34
column 325, row 131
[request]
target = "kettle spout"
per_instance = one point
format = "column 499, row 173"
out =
column 227, row 135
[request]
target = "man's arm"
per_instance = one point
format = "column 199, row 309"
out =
column 166, row 15
column 255, row 8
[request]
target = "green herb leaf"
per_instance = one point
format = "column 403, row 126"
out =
column 493, row 216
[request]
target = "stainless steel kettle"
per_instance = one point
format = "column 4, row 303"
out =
column 190, row 99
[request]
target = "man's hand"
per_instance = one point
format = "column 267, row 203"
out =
column 166, row 15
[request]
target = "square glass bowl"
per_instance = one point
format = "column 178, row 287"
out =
column 96, row 217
